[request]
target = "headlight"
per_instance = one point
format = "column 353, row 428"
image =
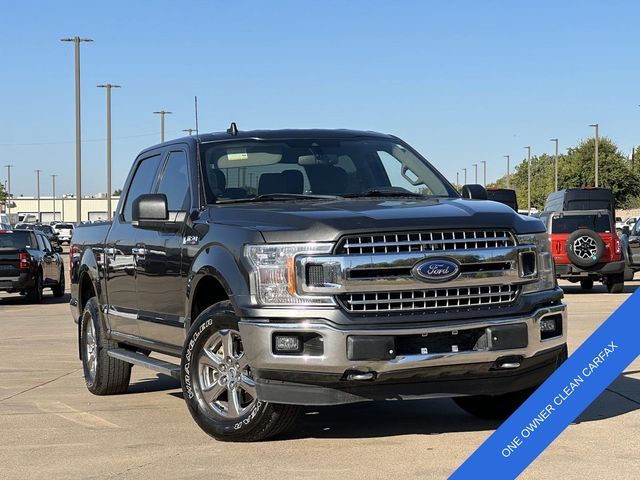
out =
column 274, row 277
column 546, row 271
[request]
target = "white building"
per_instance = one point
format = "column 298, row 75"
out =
column 65, row 208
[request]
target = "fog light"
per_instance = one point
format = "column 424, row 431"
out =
column 548, row 325
column 287, row 344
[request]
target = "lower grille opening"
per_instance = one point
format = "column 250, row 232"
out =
column 432, row 299
column 442, row 342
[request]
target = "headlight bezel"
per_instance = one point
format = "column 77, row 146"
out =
column 273, row 273
column 546, row 275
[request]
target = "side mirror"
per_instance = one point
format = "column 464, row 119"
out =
column 149, row 211
column 474, row 191
column 57, row 249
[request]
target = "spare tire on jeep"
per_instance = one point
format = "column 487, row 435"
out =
column 584, row 248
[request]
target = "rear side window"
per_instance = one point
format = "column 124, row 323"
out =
column 175, row 182
column 40, row 242
column 143, row 180
column 571, row 223
column 17, row 240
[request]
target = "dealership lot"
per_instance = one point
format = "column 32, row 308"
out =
column 53, row 428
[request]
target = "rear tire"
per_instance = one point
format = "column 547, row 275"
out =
column 217, row 384
column 58, row 290
column 586, row 284
column 35, row 295
column 103, row 374
column 615, row 283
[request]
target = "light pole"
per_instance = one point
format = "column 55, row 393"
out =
column 596, row 126
column 76, row 41
column 508, row 171
column 484, row 173
column 465, row 175
column 38, row 190
column 528, row 148
column 189, row 130
column 457, row 178
column 9, row 187
column 53, row 191
column 475, row 166
column 555, row 140
column 162, row 113
column 108, row 87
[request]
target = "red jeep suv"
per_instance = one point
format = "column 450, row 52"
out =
column 585, row 248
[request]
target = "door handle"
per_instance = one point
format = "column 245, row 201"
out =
column 139, row 251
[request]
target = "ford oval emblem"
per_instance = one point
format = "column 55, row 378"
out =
column 437, row 270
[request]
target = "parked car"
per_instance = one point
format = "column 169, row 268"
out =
column 64, row 232
column 5, row 226
column 48, row 232
column 586, row 248
column 587, row 198
column 630, row 244
column 312, row 267
column 627, row 222
column 29, row 263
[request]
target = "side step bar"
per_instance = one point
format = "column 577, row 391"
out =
column 147, row 362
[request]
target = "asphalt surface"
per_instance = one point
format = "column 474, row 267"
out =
column 52, row 427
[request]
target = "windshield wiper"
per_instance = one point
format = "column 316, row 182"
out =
column 385, row 193
column 268, row 197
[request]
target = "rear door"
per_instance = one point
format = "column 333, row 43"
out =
column 50, row 262
column 160, row 277
column 120, row 259
column 634, row 245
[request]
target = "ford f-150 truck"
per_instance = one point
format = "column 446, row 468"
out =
column 312, row 267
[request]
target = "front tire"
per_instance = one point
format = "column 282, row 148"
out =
column 615, row 283
column 217, row 383
column 586, row 284
column 103, row 374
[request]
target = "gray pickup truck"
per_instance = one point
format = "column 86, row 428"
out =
column 312, row 267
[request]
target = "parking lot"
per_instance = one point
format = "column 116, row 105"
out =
column 52, row 427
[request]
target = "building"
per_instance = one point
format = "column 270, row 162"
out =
column 93, row 208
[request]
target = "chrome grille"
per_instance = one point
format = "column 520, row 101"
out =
column 425, row 241
column 432, row 299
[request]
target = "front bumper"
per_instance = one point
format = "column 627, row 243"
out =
column 334, row 367
column 571, row 270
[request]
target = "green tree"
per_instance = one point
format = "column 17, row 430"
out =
column 117, row 192
column 3, row 193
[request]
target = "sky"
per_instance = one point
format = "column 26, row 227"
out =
column 461, row 81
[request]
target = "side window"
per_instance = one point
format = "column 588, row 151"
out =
column 40, row 242
column 47, row 245
column 175, row 182
column 142, row 183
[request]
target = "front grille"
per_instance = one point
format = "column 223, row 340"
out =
column 425, row 241
column 432, row 299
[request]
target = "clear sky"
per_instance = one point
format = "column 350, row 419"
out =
column 462, row 81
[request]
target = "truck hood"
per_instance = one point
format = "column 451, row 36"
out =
column 327, row 220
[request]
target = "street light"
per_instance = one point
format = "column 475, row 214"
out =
column 108, row 87
column 484, row 173
column 9, row 167
column 465, row 175
column 53, row 191
column 162, row 113
column 457, row 178
column 596, row 126
column 189, row 130
column 555, row 140
column 475, row 166
column 528, row 148
column 38, row 190
column 76, row 41
column 508, row 171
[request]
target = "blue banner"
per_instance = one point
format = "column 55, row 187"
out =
column 560, row 399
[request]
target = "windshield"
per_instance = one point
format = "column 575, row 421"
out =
column 571, row 223
column 248, row 169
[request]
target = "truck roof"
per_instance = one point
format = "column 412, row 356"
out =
column 282, row 134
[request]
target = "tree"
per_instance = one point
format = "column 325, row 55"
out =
column 3, row 193
column 117, row 192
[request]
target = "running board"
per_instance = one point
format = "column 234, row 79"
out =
column 148, row 362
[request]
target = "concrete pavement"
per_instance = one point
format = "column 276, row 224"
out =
column 52, row 427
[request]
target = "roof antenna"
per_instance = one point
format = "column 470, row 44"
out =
column 233, row 129
column 196, row 105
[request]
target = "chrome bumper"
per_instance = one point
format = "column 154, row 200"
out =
column 257, row 338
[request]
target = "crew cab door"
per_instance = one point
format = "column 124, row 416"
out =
column 634, row 245
column 119, row 253
column 50, row 262
column 160, row 277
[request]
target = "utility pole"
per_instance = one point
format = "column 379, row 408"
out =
column 189, row 130
column 508, row 171
column 76, row 41
column 457, row 178
column 555, row 140
column 162, row 113
column 465, row 175
column 53, row 190
column 475, row 166
column 528, row 178
column 596, row 126
column 38, row 194
column 108, row 87
column 484, row 173
column 9, row 187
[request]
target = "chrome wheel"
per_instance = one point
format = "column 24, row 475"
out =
column 585, row 247
column 91, row 348
column 225, row 378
